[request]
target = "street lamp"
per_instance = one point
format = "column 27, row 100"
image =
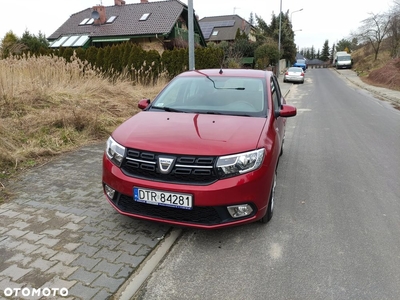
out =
column 293, row 13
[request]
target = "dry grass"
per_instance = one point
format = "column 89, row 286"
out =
column 383, row 72
column 48, row 107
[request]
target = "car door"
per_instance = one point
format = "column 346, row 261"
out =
column 277, row 101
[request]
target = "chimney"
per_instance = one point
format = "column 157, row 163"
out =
column 144, row 1
column 119, row 2
column 102, row 15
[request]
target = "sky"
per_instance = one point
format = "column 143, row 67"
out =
column 313, row 21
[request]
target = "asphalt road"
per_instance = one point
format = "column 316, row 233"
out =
column 335, row 233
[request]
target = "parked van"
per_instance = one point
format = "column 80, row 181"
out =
column 343, row 60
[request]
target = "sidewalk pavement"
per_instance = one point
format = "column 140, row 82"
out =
column 379, row 92
column 59, row 234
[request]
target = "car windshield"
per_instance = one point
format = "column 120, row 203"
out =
column 344, row 57
column 301, row 61
column 214, row 95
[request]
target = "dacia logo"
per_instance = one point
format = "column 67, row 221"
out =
column 165, row 164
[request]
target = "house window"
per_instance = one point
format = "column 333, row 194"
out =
column 90, row 21
column 111, row 19
column 84, row 21
column 215, row 33
column 144, row 17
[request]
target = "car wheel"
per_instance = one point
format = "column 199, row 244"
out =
column 270, row 209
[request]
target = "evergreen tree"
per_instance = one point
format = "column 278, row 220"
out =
column 325, row 51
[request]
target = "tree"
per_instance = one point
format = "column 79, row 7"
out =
column 344, row 45
column 251, row 19
column 10, row 45
column 374, row 30
column 267, row 54
column 325, row 51
column 332, row 53
column 34, row 43
column 394, row 31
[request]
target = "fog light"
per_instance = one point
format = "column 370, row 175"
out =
column 110, row 192
column 238, row 211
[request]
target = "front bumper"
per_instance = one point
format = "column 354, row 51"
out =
column 209, row 201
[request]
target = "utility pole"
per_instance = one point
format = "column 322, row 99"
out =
column 279, row 40
column 191, row 36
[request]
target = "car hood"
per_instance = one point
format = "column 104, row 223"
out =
column 188, row 133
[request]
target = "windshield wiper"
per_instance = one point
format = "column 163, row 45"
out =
column 169, row 109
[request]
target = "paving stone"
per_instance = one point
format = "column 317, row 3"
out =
column 133, row 260
column 107, row 254
column 86, row 262
column 110, row 268
column 71, row 246
column 57, row 282
column 42, row 264
column 81, row 291
column 19, row 224
column 15, row 272
column 71, row 226
column 103, row 294
column 16, row 232
column 20, row 259
column 62, row 270
column 22, row 216
column 9, row 243
column 91, row 239
column 45, row 252
column 50, row 242
column 52, row 232
column 26, row 247
column 109, row 243
column 10, row 213
column 84, row 276
column 33, row 237
column 111, row 284
column 65, row 258
column 129, row 247
column 88, row 250
column 76, row 218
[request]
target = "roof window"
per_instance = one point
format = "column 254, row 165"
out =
column 111, row 19
column 144, row 17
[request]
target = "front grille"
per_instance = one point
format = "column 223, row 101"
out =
column 185, row 170
column 198, row 215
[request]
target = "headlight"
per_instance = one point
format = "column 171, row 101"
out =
column 115, row 151
column 237, row 164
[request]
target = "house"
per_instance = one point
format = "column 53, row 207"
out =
column 224, row 28
column 155, row 25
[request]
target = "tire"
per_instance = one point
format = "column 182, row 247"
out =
column 270, row 209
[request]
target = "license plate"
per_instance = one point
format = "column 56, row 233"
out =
column 176, row 200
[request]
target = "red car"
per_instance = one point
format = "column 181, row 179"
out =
column 203, row 154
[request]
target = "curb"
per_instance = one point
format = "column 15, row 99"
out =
column 137, row 279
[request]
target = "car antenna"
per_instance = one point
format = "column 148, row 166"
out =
column 220, row 71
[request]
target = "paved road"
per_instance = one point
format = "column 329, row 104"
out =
column 60, row 232
column 337, row 215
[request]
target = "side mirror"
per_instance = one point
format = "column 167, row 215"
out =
column 287, row 111
column 143, row 103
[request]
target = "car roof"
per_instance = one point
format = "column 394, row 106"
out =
column 249, row 73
